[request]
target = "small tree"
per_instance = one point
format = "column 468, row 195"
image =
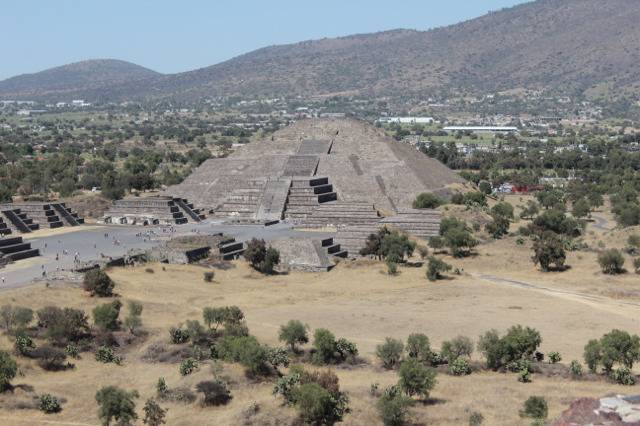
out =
column 116, row 404
column 262, row 259
column 575, row 369
column 292, row 333
column 418, row 347
column 98, row 283
column 14, row 319
column 390, row 352
column 393, row 407
column 324, row 343
column 548, row 250
column 8, row 370
column 535, row 407
column 611, row 261
column 133, row 320
column 317, row 405
column 154, row 414
column 106, row 316
column 416, row 379
column 435, row 268
column 456, row 348
column 581, row 208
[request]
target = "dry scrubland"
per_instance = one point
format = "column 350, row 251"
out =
column 357, row 301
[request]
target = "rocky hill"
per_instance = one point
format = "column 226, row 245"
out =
column 570, row 45
column 90, row 79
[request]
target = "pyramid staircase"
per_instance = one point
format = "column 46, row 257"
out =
column 15, row 248
column 230, row 249
column 188, row 209
column 333, row 249
column 306, row 194
column 243, row 202
column 17, row 221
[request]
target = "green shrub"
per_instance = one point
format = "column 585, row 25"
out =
column 476, row 419
column 215, row 392
column 49, row 404
column 14, row 319
column 427, row 200
column 416, row 379
column 8, row 370
column 286, row 385
column 262, row 259
column 105, row 316
column 98, row 283
column 554, row 357
column 154, row 415
column 24, row 344
column 393, row 407
column 188, row 366
column 535, row 407
column 133, row 320
column 575, row 369
column 247, row 351
column 611, row 261
column 317, row 406
column 178, row 335
column 72, row 351
column 63, row 325
column 524, row 375
column 106, row 355
column 390, row 352
column 549, row 250
column 459, row 367
column 623, row 376
column 392, row 267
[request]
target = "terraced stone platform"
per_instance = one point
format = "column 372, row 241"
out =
column 14, row 248
column 152, row 211
column 420, row 223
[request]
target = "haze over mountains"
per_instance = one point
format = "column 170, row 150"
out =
column 568, row 45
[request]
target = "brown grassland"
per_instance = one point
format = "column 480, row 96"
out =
column 361, row 302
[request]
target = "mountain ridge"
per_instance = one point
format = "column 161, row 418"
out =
column 568, row 45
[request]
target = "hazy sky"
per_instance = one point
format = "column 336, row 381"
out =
column 179, row 35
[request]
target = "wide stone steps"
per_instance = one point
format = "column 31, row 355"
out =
column 14, row 248
column 231, row 249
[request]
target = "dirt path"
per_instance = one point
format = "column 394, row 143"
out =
column 624, row 308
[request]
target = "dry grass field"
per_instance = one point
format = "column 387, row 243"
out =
column 358, row 301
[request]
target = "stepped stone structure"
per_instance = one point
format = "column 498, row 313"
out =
column 152, row 211
column 14, row 248
column 30, row 216
column 340, row 173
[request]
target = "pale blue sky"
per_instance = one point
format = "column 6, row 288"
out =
column 173, row 36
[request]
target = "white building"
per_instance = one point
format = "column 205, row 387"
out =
column 407, row 120
column 481, row 129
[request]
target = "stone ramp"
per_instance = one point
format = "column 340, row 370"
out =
column 419, row 223
column 302, row 255
column 301, row 165
column 315, row 147
column 274, row 200
column 242, row 202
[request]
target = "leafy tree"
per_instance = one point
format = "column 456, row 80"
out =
column 457, row 347
column 435, row 268
column 390, row 245
column 390, row 352
column 97, row 282
column 427, row 200
column 262, row 259
column 581, row 208
column 617, row 346
column 154, row 414
column 63, row 325
column 457, row 236
column 247, row 351
column 116, row 404
column 292, row 333
column 133, row 320
column 106, row 316
column 548, row 250
column 416, row 379
column 418, row 347
column 8, row 370
column 503, row 209
column 551, row 198
column 530, row 210
column 329, row 350
column 517, row 344
column 611, row 261
column 393, row 407
column 593, row 354
column 484, row 187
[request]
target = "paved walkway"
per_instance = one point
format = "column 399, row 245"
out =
column 59, row 252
